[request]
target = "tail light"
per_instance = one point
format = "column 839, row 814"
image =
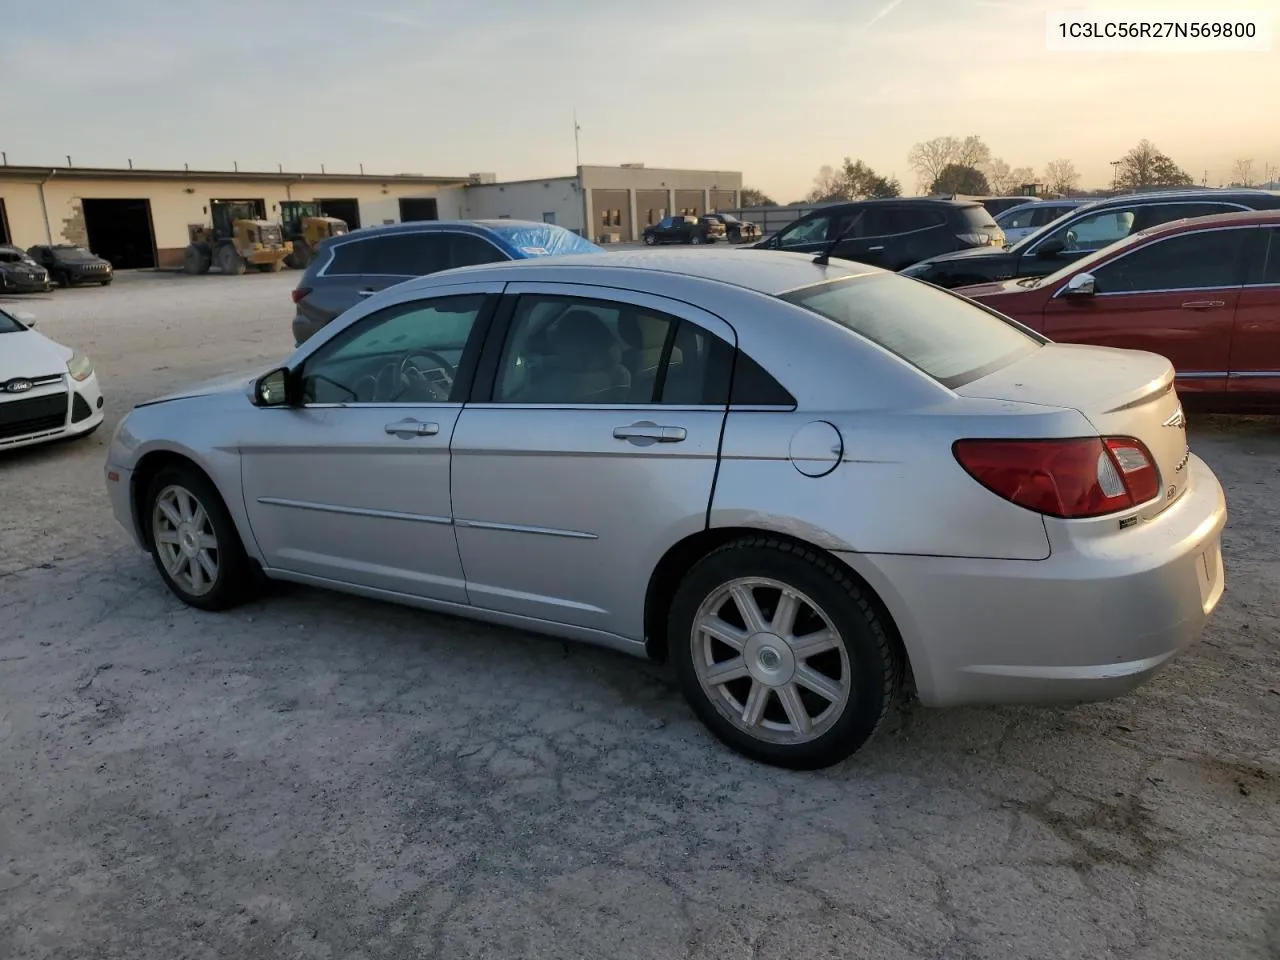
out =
column 1074, row 478
column 981, row 239
column 299, row 293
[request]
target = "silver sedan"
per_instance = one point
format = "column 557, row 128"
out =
column 811, row 486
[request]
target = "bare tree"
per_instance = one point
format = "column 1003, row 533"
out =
column 999, row 176
column 1242, row 173
column 930, row 158
column 1020, row 176
column 1145, row 166
column 826, row 184
column 1060, row 176
column 972, row 152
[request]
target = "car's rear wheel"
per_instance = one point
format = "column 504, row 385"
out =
column 650, row 239
column 781, row 654
column 696, row 238
column 194, row 541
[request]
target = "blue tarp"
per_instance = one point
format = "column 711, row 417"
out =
column 527, row 239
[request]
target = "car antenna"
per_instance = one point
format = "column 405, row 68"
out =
column 822, row 258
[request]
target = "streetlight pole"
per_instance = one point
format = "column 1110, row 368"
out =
column 1115, row 176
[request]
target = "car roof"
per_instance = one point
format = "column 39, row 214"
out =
column 951, row 202
column 461, row 226
column 1179, row 193
column 1239, row 218
column 768, row 272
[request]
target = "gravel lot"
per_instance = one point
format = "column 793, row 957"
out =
column 318, row 776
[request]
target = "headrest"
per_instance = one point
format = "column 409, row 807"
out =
column 643, row 331
column 580, row 335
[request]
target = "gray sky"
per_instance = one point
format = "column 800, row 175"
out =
column 775, row 89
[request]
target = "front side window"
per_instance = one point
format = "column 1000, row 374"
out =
column 408, row 353
column 944, row 335
column 572, row 350
column 1097, row 229
column 812, row 230
column 1187, row 261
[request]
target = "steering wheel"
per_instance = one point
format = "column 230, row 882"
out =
column 410, row 373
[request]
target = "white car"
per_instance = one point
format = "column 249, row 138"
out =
column 1021, row 221
column 47, row 391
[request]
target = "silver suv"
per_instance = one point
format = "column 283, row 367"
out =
column 356, row 265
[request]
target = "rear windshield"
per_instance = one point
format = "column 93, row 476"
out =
column 977, row 216
column 946, row 336
column 546, row 240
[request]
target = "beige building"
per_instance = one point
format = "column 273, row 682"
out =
column 139, row 218
column 607, row 204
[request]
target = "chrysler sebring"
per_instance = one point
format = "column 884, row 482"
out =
column 809, row 485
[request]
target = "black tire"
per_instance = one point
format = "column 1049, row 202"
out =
column 874, row 663
column 107, row 282
column 194, row 260
column 650, row 239
column 64, row 279
column 230, row 262
column 234, row 581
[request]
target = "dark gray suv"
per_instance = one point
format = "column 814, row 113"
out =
column 356, row 265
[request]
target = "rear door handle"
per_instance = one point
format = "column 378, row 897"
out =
column 645, row 433
column 409, row 427
column 1204, row 304
column 875, row 249
column 365, row 293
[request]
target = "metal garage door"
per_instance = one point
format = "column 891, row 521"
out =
column 651, row 206
column 611, row 210
column 723, row 200
column 689, row 203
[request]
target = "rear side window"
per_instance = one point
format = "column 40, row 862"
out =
column 465, row 250
column 909, row 220
column 1166, row 212
column 1270, row 272
column 348, row 259
column 945, row 336
column 406, row 254
column 1018, row 219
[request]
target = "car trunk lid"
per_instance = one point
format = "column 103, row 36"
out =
column 1122, row 393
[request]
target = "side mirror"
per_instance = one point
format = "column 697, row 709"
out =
column 1081, row 285
column 1050, row 248
column 272, row 389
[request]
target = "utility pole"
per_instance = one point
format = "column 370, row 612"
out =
column 1115, row 176
column 577, row 154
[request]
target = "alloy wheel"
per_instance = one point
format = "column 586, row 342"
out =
column 770, row 660
column 185, row 541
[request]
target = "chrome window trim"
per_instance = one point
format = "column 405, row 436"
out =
column 1254, row 373
column 1199, row 374
column 1126, row 206
column 1148, row 246
column 324, row 270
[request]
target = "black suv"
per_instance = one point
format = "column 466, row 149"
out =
column 1084, row 230
column 68, row 264
column 890, row 233
column 680, row 229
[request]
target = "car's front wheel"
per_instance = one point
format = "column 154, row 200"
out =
column 781, row 654
column 194, row 541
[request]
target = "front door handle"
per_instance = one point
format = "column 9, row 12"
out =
column 365, row 293
column 1204, row 304
column 409, row 427
column 645, row 433
column 875, row 249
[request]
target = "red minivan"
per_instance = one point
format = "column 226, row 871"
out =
column 1205, row 293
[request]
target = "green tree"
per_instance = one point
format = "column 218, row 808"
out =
column 1145, row 166
column 960, row 178
column 853, row 180
column 751, row 197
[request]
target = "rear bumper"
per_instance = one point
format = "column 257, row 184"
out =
column 1092, row 621
column 304, row 328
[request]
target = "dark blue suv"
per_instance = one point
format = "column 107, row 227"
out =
column 356, row 265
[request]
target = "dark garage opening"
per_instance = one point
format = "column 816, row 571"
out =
column 121, row 231
column 418, row 208
column 4, row 224
column 347, row 211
